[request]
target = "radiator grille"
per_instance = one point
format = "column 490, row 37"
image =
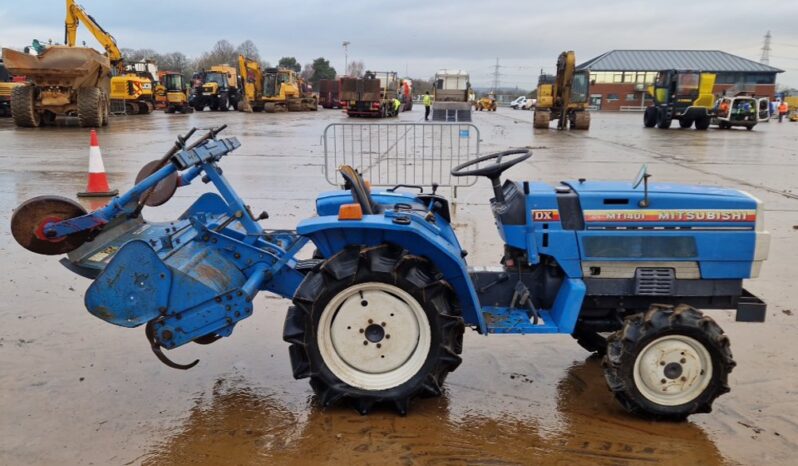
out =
column 654, row 281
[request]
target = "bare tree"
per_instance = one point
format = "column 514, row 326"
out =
column 355, row 68
column 249, row 50
column 307, row 71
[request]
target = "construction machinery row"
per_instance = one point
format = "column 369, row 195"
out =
column 71, row 80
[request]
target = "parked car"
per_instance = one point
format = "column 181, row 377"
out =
column 518, row 103
column 529, row 104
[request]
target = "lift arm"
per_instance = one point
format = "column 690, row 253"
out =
column 74, row 15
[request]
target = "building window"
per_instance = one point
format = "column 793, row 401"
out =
column 617, row 77
column 630, row 97
column 612, row 97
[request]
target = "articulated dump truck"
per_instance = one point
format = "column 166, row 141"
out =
column 62, row 80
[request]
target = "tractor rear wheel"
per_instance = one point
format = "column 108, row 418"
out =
column 374, row 325
column 23, row 107
column 90, row 107
column 685, row 123
column 650, row 117
column 668, row 362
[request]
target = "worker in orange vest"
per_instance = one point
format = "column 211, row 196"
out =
column 783, row 109
column 724, row 108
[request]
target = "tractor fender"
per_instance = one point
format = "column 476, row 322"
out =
column 414, row 234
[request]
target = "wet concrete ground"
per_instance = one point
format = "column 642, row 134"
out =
column 75, row 390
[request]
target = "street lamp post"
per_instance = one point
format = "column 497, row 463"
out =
column 346, row 56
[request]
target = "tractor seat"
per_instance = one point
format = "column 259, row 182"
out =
column 361, row 193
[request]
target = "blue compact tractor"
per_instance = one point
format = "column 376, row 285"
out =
column 379, row 312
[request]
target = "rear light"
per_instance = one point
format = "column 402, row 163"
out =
column 375, row 105
column 343, row 104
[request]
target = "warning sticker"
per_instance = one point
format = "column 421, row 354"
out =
column 104, row 254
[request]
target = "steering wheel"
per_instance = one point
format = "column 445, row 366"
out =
column 493, row 171
column 360, row 191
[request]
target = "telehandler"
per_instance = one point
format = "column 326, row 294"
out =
column 379, row 312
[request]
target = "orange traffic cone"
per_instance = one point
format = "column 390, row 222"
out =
column 98, row 181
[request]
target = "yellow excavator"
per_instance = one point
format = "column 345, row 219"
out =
column 273, row 89
column 564, row 96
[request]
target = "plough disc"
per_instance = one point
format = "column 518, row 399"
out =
column 30, row 218
column 163, row 191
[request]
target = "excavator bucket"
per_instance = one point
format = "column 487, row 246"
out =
column 74, row 67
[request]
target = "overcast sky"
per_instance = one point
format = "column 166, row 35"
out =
column 416, row 37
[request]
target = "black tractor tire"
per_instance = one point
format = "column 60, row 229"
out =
column 106, row 109
column 685, row 123
column 224, row 103
column 655, row 327
column 91, row 107
column 23, row 107
column 373, row 266
column 723, row 125
column 590, row 340
column 170, row 109
column 650, row 117
column 702, row 123
column 749, row 128
column 145, row 108
column 664, row 118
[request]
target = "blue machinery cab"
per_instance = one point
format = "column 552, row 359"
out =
column 379, row 311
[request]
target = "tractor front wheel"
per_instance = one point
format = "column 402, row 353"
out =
column 374, row 325
column 685, row 123
column 668, row 363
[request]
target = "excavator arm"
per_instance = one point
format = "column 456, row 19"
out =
column 566, row 65
column 75, row 14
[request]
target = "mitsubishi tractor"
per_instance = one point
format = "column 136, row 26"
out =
column 632, row 270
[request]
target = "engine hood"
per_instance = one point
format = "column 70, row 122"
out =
column 667, row 204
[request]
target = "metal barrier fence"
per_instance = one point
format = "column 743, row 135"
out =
column 388, row 154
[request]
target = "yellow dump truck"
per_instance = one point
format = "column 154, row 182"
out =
column 62, row 80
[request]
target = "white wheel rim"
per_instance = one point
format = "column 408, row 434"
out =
column 673, row 370
column 374, row 336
